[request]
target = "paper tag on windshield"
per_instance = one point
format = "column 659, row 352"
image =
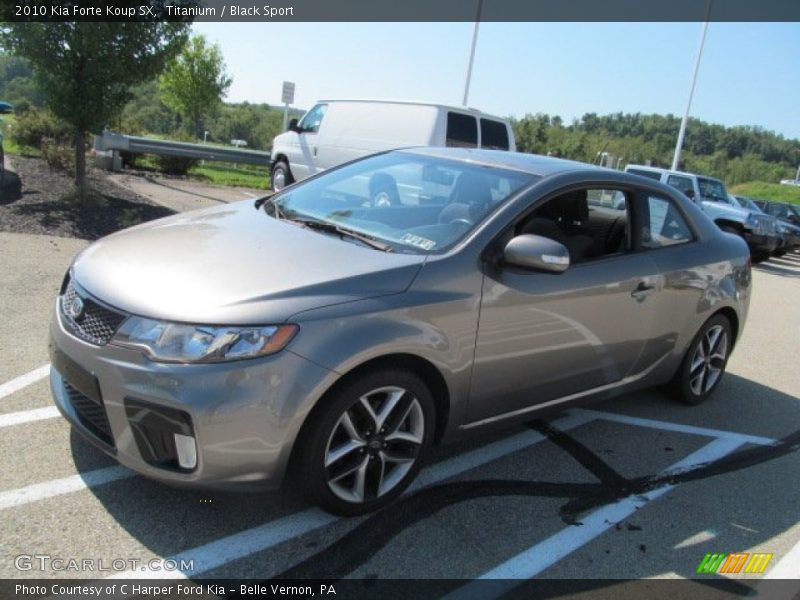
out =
column 419, row 242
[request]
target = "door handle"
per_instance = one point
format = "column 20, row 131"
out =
column 315, row 151
column 642, row 291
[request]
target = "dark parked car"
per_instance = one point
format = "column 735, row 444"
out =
column 788, row 216
column 321, row 335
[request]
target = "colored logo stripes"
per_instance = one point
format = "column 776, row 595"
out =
column 736, row 562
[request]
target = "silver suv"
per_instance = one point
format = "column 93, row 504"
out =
column 757, row 229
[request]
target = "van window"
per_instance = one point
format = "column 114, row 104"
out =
column 313, row 118
column 643, row 173
column 494, row 135
column 462, row 131
column 683, row 184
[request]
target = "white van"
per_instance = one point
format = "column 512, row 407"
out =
column 337, row 131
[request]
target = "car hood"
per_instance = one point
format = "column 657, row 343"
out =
column 722, row 208
column 235, row 265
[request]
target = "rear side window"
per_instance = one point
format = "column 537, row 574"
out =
column 462, row 131
column 643, row 173
column 662, row 224
column 494, row 135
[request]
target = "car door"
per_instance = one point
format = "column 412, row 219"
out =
column 305, row 163
column 545, row 337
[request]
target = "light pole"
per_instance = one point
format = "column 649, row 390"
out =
column 472, row 52
column 676, row 158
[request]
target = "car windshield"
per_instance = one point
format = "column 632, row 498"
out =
column 403, row 201
column 712, row 189
column 749, row 204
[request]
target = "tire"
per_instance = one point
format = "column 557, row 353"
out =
column 779, row 253
column 759, row 256
column 281, row 176
column 694, row 385
column 346, row 466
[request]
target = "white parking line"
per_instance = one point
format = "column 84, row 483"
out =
column 239, row 545
column 28, row 416
column 22, row 381
column 677, row 427
column 537, row 558
column 56, row 487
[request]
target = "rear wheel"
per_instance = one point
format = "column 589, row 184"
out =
column 367, row 442
column 704, row 363
column 281, row 176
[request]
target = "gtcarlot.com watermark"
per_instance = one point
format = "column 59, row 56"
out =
column 48, row 562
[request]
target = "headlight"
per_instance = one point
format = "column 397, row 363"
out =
column 752, row 221
column 179, row 342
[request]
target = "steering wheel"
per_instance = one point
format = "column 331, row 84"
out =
column 460, row 221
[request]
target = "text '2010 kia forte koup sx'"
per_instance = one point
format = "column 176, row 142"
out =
column 336, row 330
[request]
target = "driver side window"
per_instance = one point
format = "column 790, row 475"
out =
column 313, row 119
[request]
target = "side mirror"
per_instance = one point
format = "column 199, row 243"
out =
column 536, row 252
column 293, row 126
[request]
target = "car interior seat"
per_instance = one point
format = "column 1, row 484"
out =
column 470, row 199
column 564, row 219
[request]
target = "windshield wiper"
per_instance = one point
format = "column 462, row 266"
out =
column 342, row 231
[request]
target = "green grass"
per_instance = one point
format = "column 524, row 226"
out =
column 10, row 146
column 768, row 191
column 226, row 174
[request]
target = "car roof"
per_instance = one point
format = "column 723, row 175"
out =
column 670, row 171
column 535, row 164
column 464, row 109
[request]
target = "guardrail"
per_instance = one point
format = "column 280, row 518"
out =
column 118, row 142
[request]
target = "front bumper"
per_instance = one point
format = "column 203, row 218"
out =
column 244, row 416
column 761, row 243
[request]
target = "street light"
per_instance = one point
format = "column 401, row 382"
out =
column 676, row 158
column 472, row 51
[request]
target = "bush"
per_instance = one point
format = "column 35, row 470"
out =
column 58, row 156
column 175, row 165
column 33, row 126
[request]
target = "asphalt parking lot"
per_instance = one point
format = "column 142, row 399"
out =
column 635, row 487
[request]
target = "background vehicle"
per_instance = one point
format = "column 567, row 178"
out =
column 788, row 216
column 338, row 131
column 757, row 229
column 371, row 332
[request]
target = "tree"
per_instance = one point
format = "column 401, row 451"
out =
column 194, row 82
column 85, row 70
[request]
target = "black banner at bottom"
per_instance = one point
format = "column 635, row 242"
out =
column 711, row 588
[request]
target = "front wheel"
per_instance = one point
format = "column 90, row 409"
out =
column 281, row 176
column 366, row 443
column 704, row 363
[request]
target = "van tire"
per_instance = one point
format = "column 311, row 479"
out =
column 281, row 175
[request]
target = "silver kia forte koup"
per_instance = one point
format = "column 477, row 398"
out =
column 334, row 331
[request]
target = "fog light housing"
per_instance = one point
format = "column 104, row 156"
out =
column 186, row 450
column 164, row 436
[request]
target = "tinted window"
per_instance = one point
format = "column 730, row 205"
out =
column 684, row 184
column 494, row 135
column 462, row 131
column 313, row 118
column 643, row 173
column 662, row 224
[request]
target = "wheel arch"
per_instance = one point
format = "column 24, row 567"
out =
column 421, row 367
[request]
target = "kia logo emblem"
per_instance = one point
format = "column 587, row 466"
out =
column 75, row 308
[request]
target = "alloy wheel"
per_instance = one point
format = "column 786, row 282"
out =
column 708, row 360
column 374, row 444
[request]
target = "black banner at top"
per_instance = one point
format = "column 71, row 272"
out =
column 259, row 11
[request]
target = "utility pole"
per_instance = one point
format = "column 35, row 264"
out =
column 472, row 51
column 676, row 158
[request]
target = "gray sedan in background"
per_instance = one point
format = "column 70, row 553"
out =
column 336, row 330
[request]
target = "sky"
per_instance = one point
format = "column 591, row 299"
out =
column 749, row 74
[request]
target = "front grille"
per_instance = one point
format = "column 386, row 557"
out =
column 91, row 414
column 94, row 323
